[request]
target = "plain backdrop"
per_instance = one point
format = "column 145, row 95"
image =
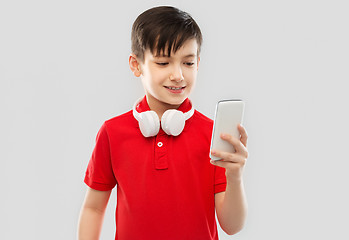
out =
column 64, row 71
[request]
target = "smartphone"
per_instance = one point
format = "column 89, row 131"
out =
column 228, row 114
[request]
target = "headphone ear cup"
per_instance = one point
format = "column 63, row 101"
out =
column 149, row 123
column 172, row 122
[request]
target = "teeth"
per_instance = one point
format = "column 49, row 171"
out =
column 173, row 88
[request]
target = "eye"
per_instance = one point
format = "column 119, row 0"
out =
column 162, row 63
column 189, row 63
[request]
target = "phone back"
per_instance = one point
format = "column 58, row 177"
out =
column 228, row 114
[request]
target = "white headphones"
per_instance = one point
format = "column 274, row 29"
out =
column 172, row 121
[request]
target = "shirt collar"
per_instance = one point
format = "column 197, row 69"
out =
column 143, row 106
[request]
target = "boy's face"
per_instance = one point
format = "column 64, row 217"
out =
column 161, row 73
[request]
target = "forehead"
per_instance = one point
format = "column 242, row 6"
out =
column 189, row 48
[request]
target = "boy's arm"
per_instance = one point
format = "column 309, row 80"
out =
column 92, row 214
column 231, row 208
column 231, row 205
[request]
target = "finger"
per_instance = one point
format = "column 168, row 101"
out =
column 226, row 164
column 243, row 134
column 229, row 157
column 220, row 163
column 238, row 145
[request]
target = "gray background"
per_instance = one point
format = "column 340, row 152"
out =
column 64, row 70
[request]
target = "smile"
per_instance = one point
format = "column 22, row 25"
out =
column 174, row 88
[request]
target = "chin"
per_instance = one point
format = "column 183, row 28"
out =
column 176, row 102
column 173, row 102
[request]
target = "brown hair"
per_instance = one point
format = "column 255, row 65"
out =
column 163, row 27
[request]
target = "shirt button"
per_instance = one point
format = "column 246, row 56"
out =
column 160, row 144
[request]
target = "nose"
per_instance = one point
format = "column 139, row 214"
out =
column 177, row 74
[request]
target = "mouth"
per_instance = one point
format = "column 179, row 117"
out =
column 175, row 90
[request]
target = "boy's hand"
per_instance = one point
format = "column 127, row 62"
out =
column 233, row 162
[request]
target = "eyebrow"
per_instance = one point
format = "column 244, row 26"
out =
column 190, row 55
column 186, row 56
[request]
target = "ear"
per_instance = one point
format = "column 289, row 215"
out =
column 197, row 65
column 134, row 65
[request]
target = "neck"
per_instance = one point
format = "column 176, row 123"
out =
column 159, row 107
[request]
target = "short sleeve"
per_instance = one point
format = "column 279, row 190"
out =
column 220, row 181
column 99, row 174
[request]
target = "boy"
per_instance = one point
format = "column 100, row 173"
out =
column 166, row 187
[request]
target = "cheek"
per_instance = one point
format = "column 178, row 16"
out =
column 190, row 75
column 158, row 75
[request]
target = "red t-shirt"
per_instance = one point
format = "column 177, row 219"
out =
column 165, row 184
